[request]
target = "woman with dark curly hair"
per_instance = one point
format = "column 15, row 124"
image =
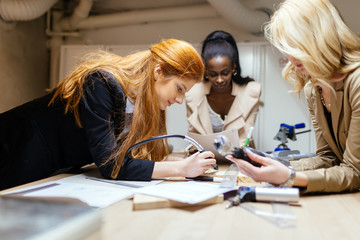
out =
column 224, row 100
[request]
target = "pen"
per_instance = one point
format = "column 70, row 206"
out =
column 203, row 178
column 249, row 136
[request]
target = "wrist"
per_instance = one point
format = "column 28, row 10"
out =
column 301, row 180
column 179, row 169
column 290, row 181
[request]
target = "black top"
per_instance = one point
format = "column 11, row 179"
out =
column 329, row 121
column 36, row 140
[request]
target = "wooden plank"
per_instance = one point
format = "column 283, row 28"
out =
column 142, row 202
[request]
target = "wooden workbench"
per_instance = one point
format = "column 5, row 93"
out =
column 320, row 216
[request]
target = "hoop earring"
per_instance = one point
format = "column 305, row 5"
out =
column 234, row 72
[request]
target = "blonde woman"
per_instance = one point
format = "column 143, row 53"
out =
column 324, row 61
column 107, row 104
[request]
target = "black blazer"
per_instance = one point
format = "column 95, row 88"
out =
column 37, row 140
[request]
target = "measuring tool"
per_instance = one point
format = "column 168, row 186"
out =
column 280, row 198
column 230, row 177
column 281, row 214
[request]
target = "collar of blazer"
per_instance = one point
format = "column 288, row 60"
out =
column 246, row 97
column 336, row 103
column 197, row 102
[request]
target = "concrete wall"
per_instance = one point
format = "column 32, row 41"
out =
column 23, row 61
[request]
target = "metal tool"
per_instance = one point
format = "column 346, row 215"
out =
column 264, row 194
column 223, row 145
column 280, row 198
column 186, row 138
column 287, row 132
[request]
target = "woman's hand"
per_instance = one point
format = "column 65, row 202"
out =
column 197, row 164
column 192, row 166
column 271, row 170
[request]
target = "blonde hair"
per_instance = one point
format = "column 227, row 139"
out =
column 313, row 32
column 135, row 74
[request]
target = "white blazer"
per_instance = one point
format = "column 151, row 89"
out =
column 241, row 116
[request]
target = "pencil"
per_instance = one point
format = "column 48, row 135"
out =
column 249, row 136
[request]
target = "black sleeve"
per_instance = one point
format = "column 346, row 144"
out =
column 96, row 114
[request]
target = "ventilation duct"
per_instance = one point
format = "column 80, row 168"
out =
column 240, row 16
column 231, row 10
column 24, row 10
column 144, row 16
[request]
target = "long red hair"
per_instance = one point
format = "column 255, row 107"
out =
column 135, row 74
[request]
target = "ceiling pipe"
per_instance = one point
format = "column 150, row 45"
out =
column 231, row 10
column 80, row 13
column 145, row 16
column 24, row 10
column 240, row 16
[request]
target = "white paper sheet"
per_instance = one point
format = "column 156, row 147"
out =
column 96, row 192
column 207, row 141
column 94, row 196
column 188, row 192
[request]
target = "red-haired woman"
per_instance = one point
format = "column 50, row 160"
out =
column 106, row 105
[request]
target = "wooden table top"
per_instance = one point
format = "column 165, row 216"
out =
column 318, row 216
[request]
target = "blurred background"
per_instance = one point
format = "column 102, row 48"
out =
column 41, row 41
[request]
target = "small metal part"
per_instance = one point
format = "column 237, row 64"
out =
column 195, row 143
column 234, row 201
column 223, row 145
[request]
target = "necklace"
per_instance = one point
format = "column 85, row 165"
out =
column 322, row 98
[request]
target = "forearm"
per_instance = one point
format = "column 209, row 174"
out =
column 301, row 180
column 167, row 169
column 334, row 179
column 173, row 158
column 312, row 163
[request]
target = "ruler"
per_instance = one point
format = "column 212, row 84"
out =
column 230, row 177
